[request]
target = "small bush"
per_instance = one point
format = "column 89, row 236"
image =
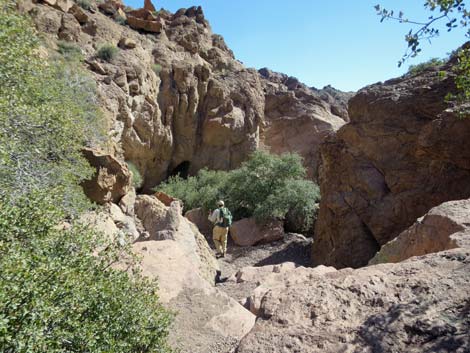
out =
column 266, row 186
column 416, row 69
column 84, row 4
column 107, row 52
column 70, row 51
column 157, row 68
column 136, row 176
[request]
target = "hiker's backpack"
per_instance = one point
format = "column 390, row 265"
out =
column 225, row 217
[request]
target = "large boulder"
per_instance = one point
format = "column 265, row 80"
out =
column 200, row 219
column 248, row 232
column 160, row 221
column 207, row 319
column 444, row 227
column 415, row 306
column 111, row 180
column 152, row 26
column 404, row 152
column 167, row 223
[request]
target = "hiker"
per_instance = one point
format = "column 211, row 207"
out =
column 222, row 220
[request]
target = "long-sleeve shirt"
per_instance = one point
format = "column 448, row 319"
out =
column 214, row 217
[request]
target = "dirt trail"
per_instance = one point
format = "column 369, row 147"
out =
column 293, row 248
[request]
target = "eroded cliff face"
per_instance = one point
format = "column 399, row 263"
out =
column 298, row 118
column 403, row 152
column 176, row 99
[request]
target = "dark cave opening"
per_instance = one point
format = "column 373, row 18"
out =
column 182, row 170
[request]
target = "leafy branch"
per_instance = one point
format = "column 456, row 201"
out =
column 454, row 12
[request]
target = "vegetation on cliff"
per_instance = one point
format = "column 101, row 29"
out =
column 58, row 290
column 266, row 186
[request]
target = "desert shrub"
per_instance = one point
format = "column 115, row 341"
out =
column 70, row 51
column 462, row 83
column 84, row 4
column 202, row 190
column 48, row 112
column 56, row 295
column 136, row 176
column 266, row 186
column 107, row 52
column 58, row 292
column 157, row 68
column 418, row 68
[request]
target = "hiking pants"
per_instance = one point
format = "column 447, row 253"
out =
column 219, row 235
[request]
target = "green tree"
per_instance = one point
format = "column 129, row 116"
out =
column 265, row 186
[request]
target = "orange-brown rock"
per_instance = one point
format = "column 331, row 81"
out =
column 111, row 180
column 444, row 227
column 165, row 198
column 149, row 6
column 79, row 14
column 153, row 26
column 247, row 232
column 142, row 14
column 404, row 152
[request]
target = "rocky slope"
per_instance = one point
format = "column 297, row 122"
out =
column 403, row 152
column 175, row 98
column 419, row 305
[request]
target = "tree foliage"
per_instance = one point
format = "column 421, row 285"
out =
column 58, row 289
column 265, row 186
column 452, row 12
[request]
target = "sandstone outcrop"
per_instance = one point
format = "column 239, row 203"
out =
column 247, row 232
column 298, row 118
column 404, row 151
column 444, row 227
column 420, row 305
column 111, row 180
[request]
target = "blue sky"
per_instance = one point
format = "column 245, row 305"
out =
column 341, row 42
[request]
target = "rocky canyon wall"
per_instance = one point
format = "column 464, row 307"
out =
column 403, row 152
column 175, row 98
